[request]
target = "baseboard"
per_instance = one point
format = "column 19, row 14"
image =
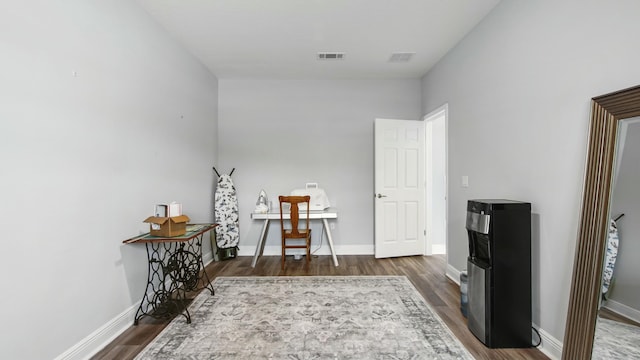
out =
column 207, row 258
column 549, row 346
column 275, row 250
column 453, row 274
column 622, row 309
column 100, row 338
column 438, row 249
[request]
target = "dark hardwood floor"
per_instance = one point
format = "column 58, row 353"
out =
column 425, row 272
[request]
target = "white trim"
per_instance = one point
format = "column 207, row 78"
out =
column 428, row 149
column 100, row 338
column 441, row 111
column 104, row 335
column 453, row 274
column 622, row 309
column 438, row 249
column 549, row 346
column 207, row 258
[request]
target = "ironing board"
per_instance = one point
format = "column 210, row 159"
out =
column 226, row 213
column 610, row 258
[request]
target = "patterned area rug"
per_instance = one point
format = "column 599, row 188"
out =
column 318, row 317
column 615, row 340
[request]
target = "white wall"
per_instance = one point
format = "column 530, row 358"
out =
column 519, row 89
column 102, row 116
column 626, row 200
column 280, row 134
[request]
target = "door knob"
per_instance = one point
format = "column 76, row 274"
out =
column 381, row 196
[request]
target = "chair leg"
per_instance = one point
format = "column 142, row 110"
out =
column 283, row 248
column 308, row 249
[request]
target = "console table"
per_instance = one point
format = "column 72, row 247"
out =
column 174, row 269
column 323, row 215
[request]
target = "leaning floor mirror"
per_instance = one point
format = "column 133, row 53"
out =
column 612, row 125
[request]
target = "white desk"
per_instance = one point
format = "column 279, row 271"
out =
column 313, row 215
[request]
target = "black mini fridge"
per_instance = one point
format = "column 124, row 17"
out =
column 499, row 272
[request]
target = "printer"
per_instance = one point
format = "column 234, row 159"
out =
column 319, row 200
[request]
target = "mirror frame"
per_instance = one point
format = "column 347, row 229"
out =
column 606, row 111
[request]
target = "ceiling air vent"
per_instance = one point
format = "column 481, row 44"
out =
column 401, row 57
column 330, row 56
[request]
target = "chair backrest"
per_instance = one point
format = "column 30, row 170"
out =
column 294, row 201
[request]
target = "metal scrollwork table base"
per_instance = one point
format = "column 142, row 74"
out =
column 175, row 269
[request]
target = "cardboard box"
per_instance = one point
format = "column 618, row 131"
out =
column 167, row 226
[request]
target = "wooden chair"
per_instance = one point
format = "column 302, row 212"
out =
column 296, row 233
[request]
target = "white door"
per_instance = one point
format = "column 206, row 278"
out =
column 399, row 187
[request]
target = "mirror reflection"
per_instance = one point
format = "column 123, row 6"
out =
column 618, row 324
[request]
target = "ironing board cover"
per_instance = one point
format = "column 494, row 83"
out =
column 610, row 257
column 226, row 213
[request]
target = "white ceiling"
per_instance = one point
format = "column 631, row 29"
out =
column 280, row 38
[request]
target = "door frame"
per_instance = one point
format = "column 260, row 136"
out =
column 442, row 111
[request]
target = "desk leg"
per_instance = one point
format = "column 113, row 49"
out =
column 153, row 277
column 163, row 298
column 261, row 242
column 327, row 230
